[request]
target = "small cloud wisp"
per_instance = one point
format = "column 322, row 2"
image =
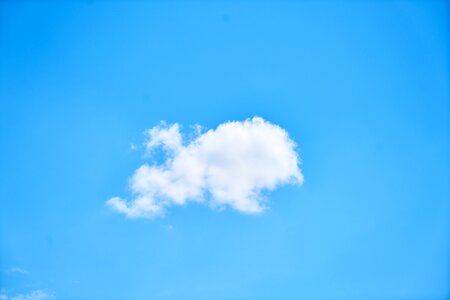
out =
column 33, row 295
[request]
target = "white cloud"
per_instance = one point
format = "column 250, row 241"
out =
column 33, row 295
column 228, row 166
column 168, row 137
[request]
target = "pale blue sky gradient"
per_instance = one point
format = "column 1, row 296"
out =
column 361, row 86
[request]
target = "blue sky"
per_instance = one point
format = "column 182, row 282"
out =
column 362, row 87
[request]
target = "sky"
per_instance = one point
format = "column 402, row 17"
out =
column 326, row 122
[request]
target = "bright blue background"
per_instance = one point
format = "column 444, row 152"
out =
column 361, row 86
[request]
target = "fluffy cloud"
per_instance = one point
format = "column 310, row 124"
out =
column 229, row 166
